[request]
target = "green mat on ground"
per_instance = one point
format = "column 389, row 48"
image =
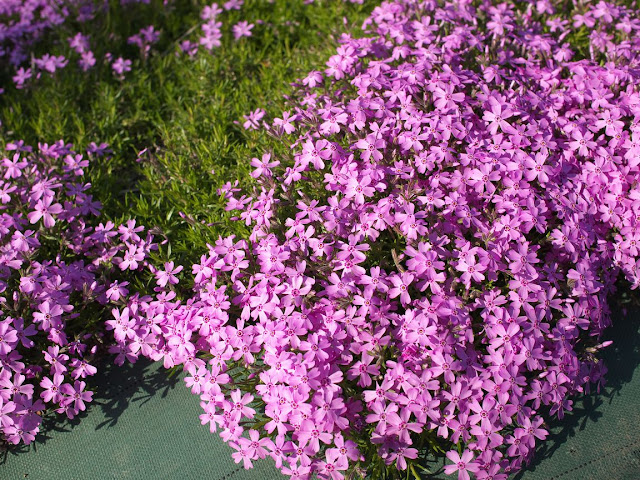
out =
column 600, row 438
column 141, row 426
column 145, row 426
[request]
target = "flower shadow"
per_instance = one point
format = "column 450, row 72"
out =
column 120, row 387
column 622, row 358
column 116, row 388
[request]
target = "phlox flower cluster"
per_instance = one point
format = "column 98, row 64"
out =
column 429, row 268
column 57, row 272
column 27, row 27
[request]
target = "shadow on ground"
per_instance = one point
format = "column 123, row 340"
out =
column 622, row 358
column 115, row 390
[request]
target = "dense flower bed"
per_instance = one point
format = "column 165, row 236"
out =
column 66, row 271
column 56, row 273
column 31, row 33
column 27, row 25
column 429, row 269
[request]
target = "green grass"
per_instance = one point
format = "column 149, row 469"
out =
column 186, row 111
column 182, row 109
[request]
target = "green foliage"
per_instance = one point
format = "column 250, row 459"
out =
column 187, row 111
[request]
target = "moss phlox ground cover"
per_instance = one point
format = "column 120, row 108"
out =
column 31, row 27
column 429, row 264
column 56, row 272
column 66, row 228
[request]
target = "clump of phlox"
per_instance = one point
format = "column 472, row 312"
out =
column 57, row 275
column 428, row 269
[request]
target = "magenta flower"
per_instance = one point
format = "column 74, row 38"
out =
column 242, row 29
column 358, row 189
column 371, row 146
column 52, row 389
column 168, row 275
column 333, row 464
column 445, row 98
column 263, row 166
column 45, row 210
column 48, row 314
column 400, row 456
column 400, row 287
column 56, row 359
column 313, row 434
column 121, row 66
column 76, row 395
column 461, row 464
column 8, row 337
column 252, row 120
column 132, row 256
column 472, row 270
column 582, row 142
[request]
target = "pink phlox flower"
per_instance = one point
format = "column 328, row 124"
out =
column 52, row 390
column 371, row 146
column 240, row 405
column 56, row 359
column 168, row 275
column 131, row 258
column 497, row 115
column 16, row 386
column 484, row 413
column 359, row 188
column 445, row 99
column 347, row 449
column 383, row 415
column 51, row 63
column 333, row 119
column 312, row 79
column 400, row 288
column 375, row 281
column 48, row 314
column 363, row 370
column 463, row 464
column 264, row 166
column 82, row 368
column 252, row 120
column 523, row 259
column 242, row 29
column 122, row 325
column 45, row 209
column 400, row 454
column 313, row 434
column 129, row 232
column 79, row 42
column 121, row 66
column 22, row 76
column 583, row 142
column 333, row 464
column 471, row 270
column 117, row 290
column 402, row 426
column 285, row 124
column 8, row 337
column 233, row 4
column 14, row 166
column 210, row 12
column 482, row 179
column 315, row 153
